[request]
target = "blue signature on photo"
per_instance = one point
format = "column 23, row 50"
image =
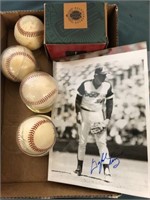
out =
column 98, row 165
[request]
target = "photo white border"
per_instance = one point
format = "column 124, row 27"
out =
column 141, row 54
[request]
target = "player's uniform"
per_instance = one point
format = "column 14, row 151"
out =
column 93, row 110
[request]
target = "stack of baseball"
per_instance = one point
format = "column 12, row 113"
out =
column 38, row 90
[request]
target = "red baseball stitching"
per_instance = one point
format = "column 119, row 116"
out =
column 27, row 33
column 31, row 136
column 9, row 60
column 44, row 99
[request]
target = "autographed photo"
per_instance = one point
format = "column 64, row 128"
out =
column 102, row 120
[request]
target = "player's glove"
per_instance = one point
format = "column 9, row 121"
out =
column 98, row 127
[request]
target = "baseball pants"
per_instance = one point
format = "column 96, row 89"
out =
column 88, row 118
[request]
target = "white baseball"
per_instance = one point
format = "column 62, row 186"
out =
column 29, row 32
column 39, row 91
column 17, row 62
column 36, row 135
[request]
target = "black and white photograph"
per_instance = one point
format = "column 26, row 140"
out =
column 102, row 120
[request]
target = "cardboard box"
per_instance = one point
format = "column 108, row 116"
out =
column 22, row 175
column 79, row 27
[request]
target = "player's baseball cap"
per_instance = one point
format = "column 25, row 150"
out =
column 100, row 70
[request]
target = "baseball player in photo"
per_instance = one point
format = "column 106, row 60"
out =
column 94, row 105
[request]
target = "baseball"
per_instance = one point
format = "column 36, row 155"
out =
column 29, row 32
column 36, row 135
column 39, row 91
column 17, row 62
